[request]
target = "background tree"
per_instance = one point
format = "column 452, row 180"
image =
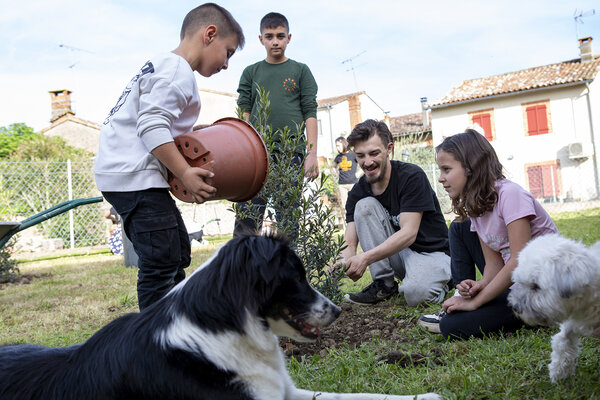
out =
column 12, row 136
column 39, row 147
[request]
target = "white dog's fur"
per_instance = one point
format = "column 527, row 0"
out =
column 558, row 283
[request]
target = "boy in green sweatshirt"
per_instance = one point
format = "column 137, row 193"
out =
column 293, row 96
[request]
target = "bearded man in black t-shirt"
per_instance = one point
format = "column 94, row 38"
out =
column 394, row 214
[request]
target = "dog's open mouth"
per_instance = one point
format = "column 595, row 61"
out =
column 307, row 330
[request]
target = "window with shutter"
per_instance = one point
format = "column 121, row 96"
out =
column 485, row 119
column 537, row 118
column 544, row 180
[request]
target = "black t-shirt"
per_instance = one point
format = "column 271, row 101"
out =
column 346, row 166
column 409, row 190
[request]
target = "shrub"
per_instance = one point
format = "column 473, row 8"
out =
column 8, row 267
column 294, row 205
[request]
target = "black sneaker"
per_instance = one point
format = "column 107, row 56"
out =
column 431, row 322
column 374, row 293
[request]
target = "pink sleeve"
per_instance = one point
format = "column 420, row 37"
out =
column 515, row 203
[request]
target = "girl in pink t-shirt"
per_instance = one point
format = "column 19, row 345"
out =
column 496, row 219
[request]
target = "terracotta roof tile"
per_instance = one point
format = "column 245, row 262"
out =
column 548, row 75
column 407, row 124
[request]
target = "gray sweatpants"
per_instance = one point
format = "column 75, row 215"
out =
column 423, row 275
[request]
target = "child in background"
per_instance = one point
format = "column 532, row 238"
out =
column 345, row 165
column 137, row 147
column 496, row 219
column 115, row 241
column 293, row 96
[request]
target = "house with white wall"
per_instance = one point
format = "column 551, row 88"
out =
column 216, row 105
column 336, row 116
column 543, row 122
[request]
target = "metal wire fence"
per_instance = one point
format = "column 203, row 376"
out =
column 30, row 187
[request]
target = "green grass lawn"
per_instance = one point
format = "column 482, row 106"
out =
column 70, row 298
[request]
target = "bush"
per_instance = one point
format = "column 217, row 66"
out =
column 8, row 267
column 294, row 205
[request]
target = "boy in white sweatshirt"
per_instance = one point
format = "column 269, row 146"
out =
column 136, row 147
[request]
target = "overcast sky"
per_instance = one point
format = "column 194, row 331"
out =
column 399, row 50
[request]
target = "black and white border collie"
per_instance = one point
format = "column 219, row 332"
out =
column 212, row 337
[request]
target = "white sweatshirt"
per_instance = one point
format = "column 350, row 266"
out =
column 160, row 103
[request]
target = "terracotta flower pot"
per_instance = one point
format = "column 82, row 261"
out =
column 234, row 151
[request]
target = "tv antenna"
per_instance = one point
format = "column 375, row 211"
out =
column 578, row 16
column 74, row 49
column 352, row 67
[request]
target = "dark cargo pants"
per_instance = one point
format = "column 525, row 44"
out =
column 154, row 225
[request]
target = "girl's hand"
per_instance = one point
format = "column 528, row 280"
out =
column 469, row 288
column 459, row 303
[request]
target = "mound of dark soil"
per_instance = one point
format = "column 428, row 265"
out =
column 357, row 325
column 24, row 279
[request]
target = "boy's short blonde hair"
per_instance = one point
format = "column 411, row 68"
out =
column 212, row 14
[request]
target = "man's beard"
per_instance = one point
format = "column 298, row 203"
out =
column 380, row 176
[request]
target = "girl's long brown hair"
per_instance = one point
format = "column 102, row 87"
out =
column 483, row 169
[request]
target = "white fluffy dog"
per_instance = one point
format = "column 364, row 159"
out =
column 558, row 283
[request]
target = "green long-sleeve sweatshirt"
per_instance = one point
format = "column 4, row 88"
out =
column 292, row 92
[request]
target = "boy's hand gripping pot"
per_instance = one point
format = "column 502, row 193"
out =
column 234, row 151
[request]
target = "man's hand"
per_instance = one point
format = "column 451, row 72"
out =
column 194, row 180
column 311, row 166
column 356, row 266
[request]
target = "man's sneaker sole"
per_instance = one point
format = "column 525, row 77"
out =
column 433, row 327
column 431, row 322
column 349, row 300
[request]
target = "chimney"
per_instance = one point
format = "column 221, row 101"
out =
column 425, row 114
column 60, row 103
column 585, row 49
column 354, row 108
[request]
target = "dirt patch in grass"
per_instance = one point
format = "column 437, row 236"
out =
column 24, row 279
column 361, row 324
